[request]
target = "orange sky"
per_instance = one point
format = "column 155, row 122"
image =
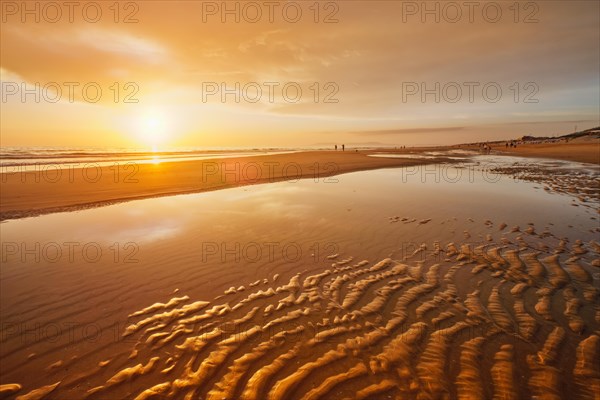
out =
column 372, row 59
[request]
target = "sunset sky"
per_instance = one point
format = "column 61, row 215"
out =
column 367, row 57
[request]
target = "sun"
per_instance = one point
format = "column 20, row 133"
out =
column 152, row 130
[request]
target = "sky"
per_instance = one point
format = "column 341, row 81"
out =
column 295, row 73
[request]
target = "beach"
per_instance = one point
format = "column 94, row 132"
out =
column 456, row 275
column 300, row 200
column 54, row 188
column 587, row 152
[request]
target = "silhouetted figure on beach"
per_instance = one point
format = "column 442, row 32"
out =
column 336, row 147
column 343, row 147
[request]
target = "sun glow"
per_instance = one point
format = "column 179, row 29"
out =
column 153, row 130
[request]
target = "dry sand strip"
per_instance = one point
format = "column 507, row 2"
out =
column 39, row 192
column 580, row 152
column 587, row 151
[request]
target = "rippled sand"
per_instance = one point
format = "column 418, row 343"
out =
column 497, row 320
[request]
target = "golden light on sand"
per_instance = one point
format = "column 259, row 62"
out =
column 285, row 200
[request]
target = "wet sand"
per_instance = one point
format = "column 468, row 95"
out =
column 504, row 319
column 491, row 293
column 49, row 190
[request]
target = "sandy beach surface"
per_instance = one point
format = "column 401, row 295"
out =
column 586, row 152
column 474, row 277
column 51, row 188
column 54, row 188
column 300, row 200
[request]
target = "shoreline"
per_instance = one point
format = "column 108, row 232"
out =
column 583, row 152
column 33, row 193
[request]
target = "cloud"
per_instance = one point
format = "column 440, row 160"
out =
column 121, row 43
column 580, row 121
column 368, row 54
column 409, row 131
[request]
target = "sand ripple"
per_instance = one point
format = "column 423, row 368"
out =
column 467, row 320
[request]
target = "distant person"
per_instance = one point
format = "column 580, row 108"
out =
column 336, row 147
column 343, row 147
